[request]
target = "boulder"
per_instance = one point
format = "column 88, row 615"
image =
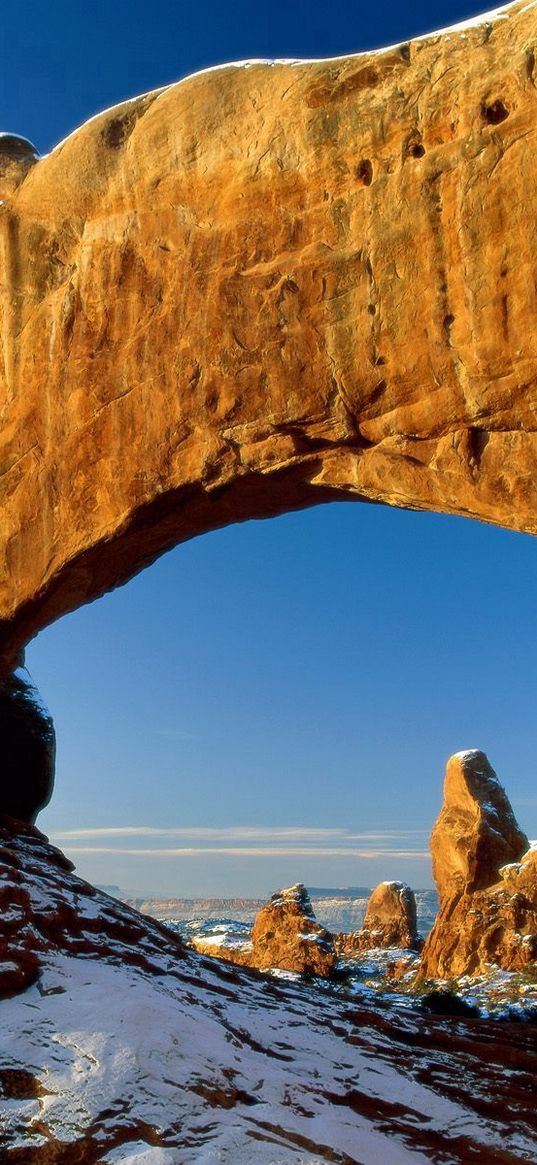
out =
column 390, row 921
column 285, row 935
column 27, row 748
column 274, row 284
column 486, row 877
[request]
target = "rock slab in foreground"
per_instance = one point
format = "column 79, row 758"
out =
column 267, row 286
column 182, row 1059
column 485, row 874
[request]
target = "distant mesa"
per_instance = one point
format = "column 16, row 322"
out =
column 486, row 874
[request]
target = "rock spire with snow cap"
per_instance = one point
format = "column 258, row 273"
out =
column 485, row 874
column 476, row 832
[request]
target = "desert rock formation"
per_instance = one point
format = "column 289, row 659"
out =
column 485, row 874
column 285, row 935
column 390, row 921
column 27, row 748
column 476, row 832
column 263, row 287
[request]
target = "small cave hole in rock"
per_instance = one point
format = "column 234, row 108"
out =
column 364, row 172
column 495, row 112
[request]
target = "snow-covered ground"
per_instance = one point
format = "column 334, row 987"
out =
column 123, row 1047
column 209, row 1064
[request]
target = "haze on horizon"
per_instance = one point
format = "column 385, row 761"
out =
column 276, row 701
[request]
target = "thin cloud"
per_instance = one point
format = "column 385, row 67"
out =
column 266, row 851
column 239, row 833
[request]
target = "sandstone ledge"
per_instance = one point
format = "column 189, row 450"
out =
column 265, row 287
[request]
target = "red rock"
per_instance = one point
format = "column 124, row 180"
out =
column 390, row 921
column 486, row 881
column 285, row 935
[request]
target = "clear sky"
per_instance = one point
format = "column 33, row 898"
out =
column 274, row 701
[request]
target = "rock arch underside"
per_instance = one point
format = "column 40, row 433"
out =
column 264, row 287
column 267, row 286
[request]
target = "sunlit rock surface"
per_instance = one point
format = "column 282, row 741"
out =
column 125, row 1048
column 285, row 935
column 263, row 287
column 485, row 874
column 390, row 921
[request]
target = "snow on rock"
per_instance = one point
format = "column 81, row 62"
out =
column 170, row 1059
column 485, row 874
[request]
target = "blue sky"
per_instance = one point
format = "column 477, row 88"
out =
column 274, row 701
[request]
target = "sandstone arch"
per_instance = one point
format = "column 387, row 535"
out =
column 261, row 288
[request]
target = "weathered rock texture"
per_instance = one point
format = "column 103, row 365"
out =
column 27, row 748
column 486, row 877
column 476, row 832
column 285, row 935
column 390, row 921
column 45, row 908
column 264, row 287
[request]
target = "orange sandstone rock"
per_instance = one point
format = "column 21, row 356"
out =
column 476, row 832
column 267, row 286
column 390, row 921
column 486, row 877
column 285, row 935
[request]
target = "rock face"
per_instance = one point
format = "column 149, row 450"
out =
column 476, row 832
column 44, row 907
column 390, row 921
column 285, row 935
column 274, row 285
column 27, row 748
column 486, row 877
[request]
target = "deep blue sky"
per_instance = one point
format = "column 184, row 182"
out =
column 309, row 673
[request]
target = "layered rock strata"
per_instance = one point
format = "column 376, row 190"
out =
column 390, row 921
column 264, row 287
column 485, row 874
column 285, row 935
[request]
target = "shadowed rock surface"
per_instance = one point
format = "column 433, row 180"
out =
column 486, row 878
column 390, row 921
column 270, row 285
column 27, row 748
